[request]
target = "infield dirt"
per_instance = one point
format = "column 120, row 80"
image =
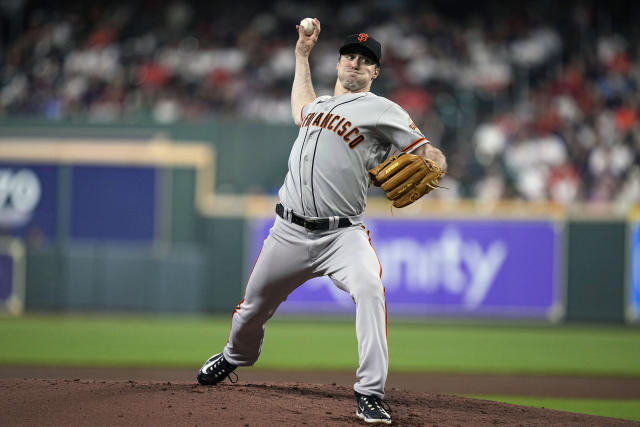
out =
column 75, row 401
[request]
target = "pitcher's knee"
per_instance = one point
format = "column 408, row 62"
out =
column 370, row 290
column 259, row 310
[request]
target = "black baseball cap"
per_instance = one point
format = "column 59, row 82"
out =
column 363, row 44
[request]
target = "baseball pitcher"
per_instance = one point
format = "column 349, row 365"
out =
column 344, row 144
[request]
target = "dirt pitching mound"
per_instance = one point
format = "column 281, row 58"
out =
column 41, row 402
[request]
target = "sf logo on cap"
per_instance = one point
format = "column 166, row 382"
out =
column 362, row 37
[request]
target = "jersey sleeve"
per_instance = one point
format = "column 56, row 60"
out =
column 396, row 126
column 306, row 108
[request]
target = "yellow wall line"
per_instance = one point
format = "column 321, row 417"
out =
column 149, row 153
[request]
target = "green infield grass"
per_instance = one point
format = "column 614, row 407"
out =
column 628, row 409
column 320, row 344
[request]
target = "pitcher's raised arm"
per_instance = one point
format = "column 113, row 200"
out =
column 302, row 91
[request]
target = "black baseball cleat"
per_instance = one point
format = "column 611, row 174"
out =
column 372, row 409
column 215, row 370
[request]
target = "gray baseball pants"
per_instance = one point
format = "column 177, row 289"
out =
column 292, row 255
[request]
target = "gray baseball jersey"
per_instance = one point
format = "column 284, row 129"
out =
column 340, row 139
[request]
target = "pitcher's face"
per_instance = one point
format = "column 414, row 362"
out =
column 356, row 72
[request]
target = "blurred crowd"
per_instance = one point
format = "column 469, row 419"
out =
column 534, row 100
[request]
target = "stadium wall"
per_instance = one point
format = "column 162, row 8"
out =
column 160, row 219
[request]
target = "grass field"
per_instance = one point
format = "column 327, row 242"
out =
column 303, row 344
column 317, row 344
column 628, row 409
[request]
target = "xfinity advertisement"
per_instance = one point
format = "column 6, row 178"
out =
column 633, row 309
column 449, row 268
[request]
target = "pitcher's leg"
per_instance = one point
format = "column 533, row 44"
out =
column 280, row 268
column 371, row 330
column 357, row 270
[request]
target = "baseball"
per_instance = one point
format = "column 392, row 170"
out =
column 307, row 26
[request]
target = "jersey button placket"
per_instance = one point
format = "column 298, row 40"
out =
column 305, row 170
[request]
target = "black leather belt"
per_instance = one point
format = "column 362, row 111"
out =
column 312, row 224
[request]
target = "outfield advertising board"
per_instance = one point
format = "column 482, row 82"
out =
column 113, row 203
column 12, row 275
column 6, row 277
column 28, row 200
column 450, row 268
column 633, row 306
column 105, row 202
